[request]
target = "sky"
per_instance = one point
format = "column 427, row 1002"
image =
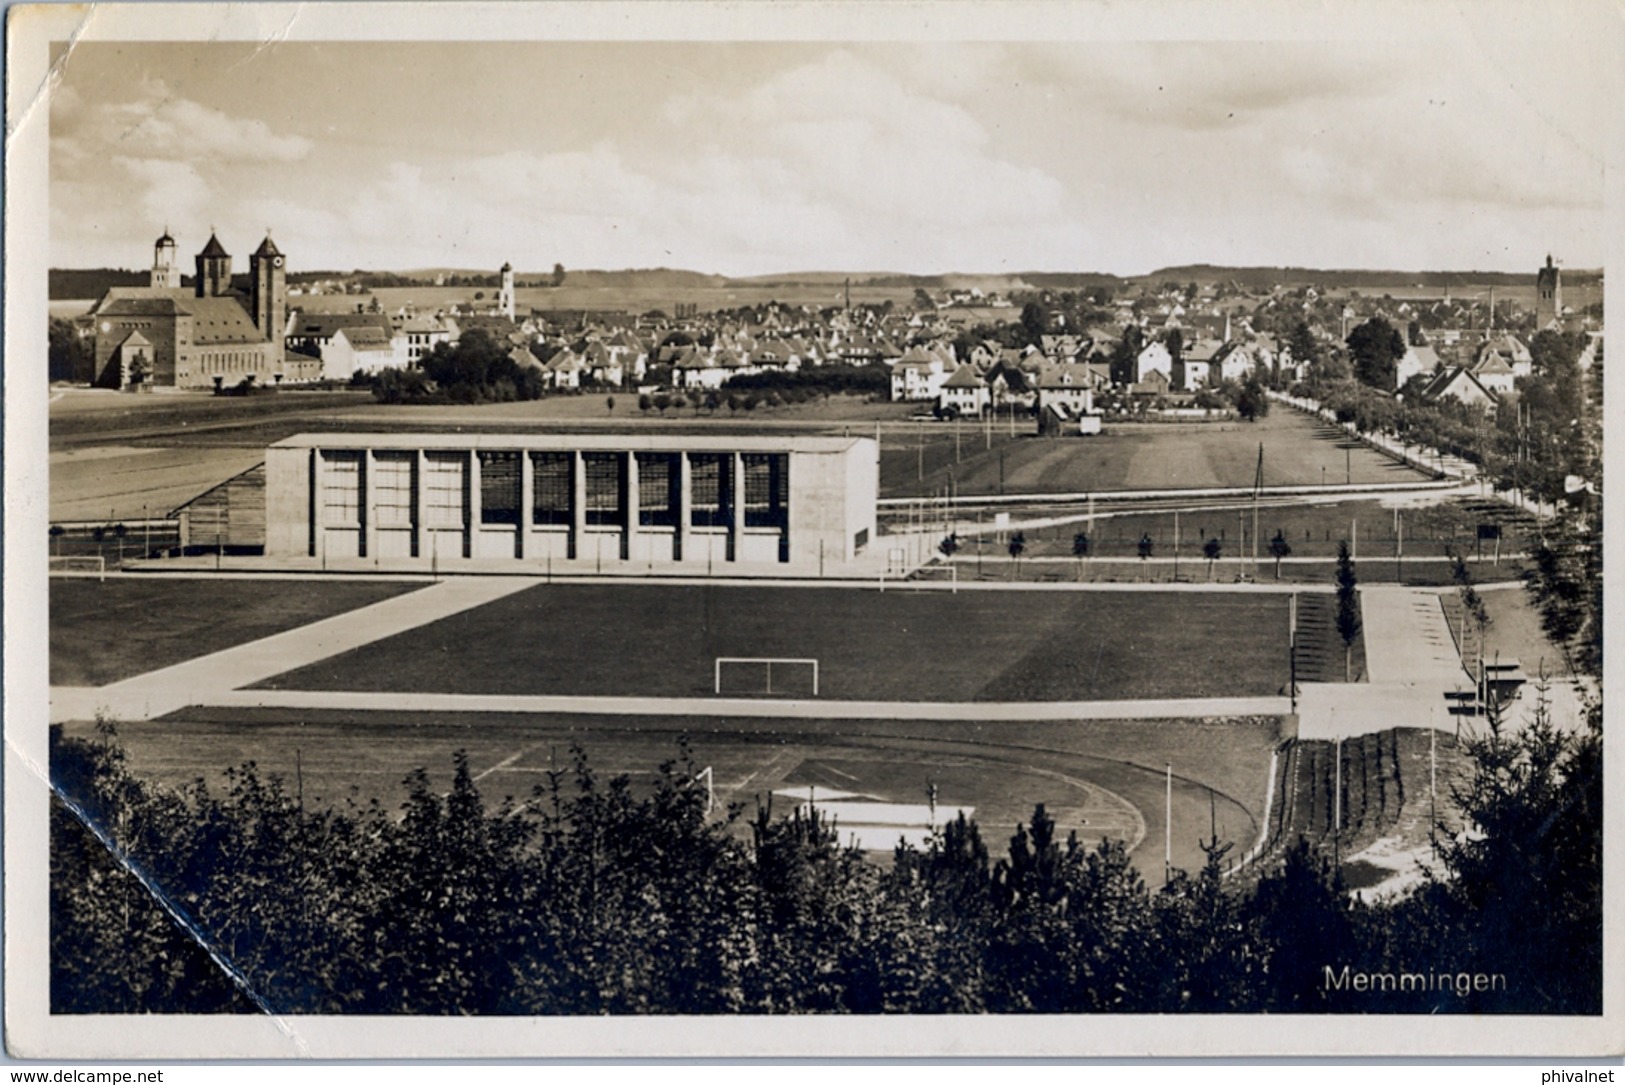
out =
column 748, row 158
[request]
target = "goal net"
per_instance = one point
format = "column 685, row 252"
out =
column 766, row 676
column 93, row 563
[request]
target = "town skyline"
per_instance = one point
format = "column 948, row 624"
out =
column 750, row 159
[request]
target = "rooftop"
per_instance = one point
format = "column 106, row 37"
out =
column 585, row 442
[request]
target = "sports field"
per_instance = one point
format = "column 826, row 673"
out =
column 1422, row 525
column 106, row 631
column 973, row 459
column 663, row 640
column 1101, row 778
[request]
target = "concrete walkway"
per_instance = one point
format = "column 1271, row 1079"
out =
column 1411, row 665
column 198, row 681
column 1178, row 708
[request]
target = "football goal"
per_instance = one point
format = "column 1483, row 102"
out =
column 763, row 675
column 93, row 563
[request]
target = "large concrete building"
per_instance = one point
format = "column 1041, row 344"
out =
column 758, row 504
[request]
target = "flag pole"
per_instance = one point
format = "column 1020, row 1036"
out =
column 1168, row 827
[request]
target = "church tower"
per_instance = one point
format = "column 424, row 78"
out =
column 1548, row 293
column 268, row 289
column 166, row 273
column 505, row 298
column 213, row 269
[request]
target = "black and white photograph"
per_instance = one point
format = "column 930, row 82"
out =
column 911, row 529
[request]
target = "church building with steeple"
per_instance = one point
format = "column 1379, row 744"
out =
column 209, row 335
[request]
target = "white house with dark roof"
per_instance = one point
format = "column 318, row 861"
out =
column 1069, row 386
column 965, row 392
column 360, row 349
column 1460, row 384
column 1153, row 358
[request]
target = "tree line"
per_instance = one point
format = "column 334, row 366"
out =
column 590, row 897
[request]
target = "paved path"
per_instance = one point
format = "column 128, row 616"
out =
column 1406, row 639
column 1182, row 708
column 198, row 681
column 1411, row 664
column 1413, row 667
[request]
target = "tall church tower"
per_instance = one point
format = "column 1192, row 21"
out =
column 505, row 298
column 268, row 289
column 213, row 269
column 166, row 273
column 1548, row 293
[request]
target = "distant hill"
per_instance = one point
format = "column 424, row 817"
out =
column 1265, row 278
column 72, row 284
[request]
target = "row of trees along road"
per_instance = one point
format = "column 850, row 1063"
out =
column 590, row 898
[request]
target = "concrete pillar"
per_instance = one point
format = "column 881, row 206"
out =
column 629, row 479
column 369, row 521
column 685, row 501
column 318, row 511
column 420, row 530
column 527, row 502
column 578, row 505
column 736, row 508
column 471, row 533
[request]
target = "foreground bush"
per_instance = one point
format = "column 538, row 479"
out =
column 588, row 899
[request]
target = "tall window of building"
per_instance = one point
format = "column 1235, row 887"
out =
column 392, row 488
column 710, row 488
column 445, row 489
column 767, row 489
column 550, row 485
column 604, row 480
column 341, row 488
column 657, row 489
column 499, row 487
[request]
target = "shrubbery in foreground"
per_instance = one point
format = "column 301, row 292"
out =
column 591, row 899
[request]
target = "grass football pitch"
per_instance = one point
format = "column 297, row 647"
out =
column 663, row 640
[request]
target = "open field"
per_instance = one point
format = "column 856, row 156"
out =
column 191, row 442
column 1312, row 529
column 1128, row 456
column 1514, row 632
column 1106, row 773
column 114, row 457
column 662, row 640
column 103, row 632
column 630, row 299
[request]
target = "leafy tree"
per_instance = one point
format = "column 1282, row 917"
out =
column 645, row 401
column 1565, row 577
column 1252, row 402
column 1212, row 549
column 662, row 401
column 1348, row 606
column 1279, row 548
column 1017, row 546
column 557, row 278
column 1528, row 873
column 1035, row 321
column 1375, row 348
column 1303, row 919
column 1126, row 354
column 1303, row 344
column 609, row 404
